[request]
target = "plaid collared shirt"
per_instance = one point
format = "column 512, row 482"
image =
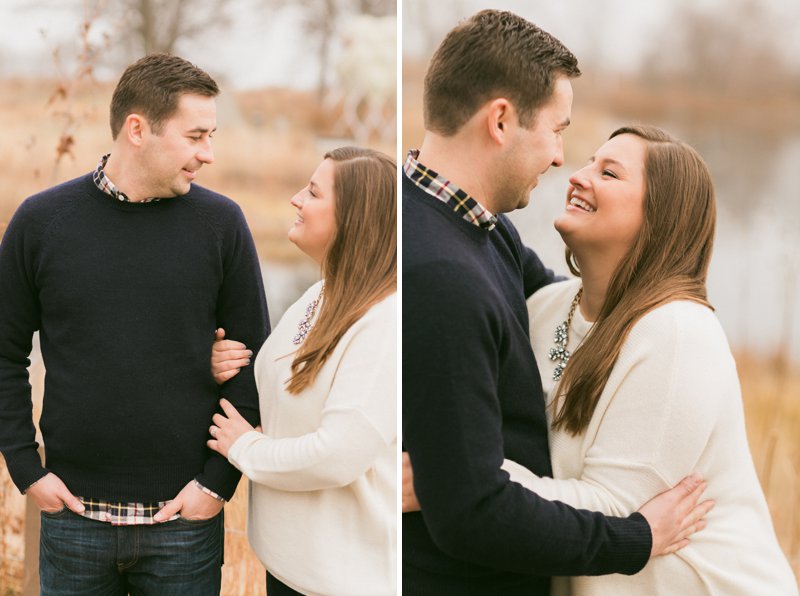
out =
column 104, row 183
column 448, row 193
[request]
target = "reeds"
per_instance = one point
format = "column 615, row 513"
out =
column 770, row 390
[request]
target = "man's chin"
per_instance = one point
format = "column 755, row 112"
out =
column 180, row 190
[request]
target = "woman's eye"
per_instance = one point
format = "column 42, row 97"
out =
column 609, row 173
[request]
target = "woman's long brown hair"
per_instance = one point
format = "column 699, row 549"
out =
column 360, row 266
column 668, row 261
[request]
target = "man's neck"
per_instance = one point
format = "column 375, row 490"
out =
column 457, row 160
column 121, row 173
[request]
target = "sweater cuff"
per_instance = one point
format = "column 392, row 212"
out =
column 220, row 476
column 25, row 469
column 629, row 545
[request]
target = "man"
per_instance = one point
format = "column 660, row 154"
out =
column 497, row 99
column 126, row 273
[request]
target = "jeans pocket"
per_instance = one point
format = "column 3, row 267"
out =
column 55, row 514
column 198, row 522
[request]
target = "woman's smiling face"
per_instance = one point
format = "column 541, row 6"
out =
column 315, row 225
column 605, row 199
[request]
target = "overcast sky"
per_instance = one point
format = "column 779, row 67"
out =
column 257, row 50
column 614, row 33
column 260, row 50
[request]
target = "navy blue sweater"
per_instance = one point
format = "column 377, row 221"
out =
column 126, row 297
column 472, row 396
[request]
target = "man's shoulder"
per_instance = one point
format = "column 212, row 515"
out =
column 42, row 207
column 210, row 199
column 430, row 229
column 60, row 193
column 220, row 212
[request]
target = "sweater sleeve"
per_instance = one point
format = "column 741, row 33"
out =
column 452, row 430
column 19, row 320
column 242, row 312
column 357, row 422
column 672, row 374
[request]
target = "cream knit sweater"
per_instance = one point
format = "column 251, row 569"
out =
column 322, row 515
column 672, row 405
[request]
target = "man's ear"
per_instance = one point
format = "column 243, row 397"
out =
column 500, row 117
column 134, row 128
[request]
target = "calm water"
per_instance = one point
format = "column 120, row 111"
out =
column 754, row 281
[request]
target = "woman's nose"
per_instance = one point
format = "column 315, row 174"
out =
column 578, row 179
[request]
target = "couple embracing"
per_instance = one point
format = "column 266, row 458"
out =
column 571, row 434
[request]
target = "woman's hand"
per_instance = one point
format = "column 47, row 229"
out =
column 674, row 515
column 410, row 502
column 226, row 429
column 227, row 357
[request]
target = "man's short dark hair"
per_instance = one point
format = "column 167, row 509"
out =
column 152, row 86
column 492, row 54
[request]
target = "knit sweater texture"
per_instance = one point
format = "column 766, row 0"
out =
column 471, row 397
column 671, row 406
column 126, row 298
column 322, row 516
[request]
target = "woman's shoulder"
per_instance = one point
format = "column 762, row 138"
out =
column 691, row 325
column 685, row 316
column 373, row 337
column 555, row 294
column 383, row 312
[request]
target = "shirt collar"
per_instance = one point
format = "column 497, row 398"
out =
column 447, row 192
column 103, row 182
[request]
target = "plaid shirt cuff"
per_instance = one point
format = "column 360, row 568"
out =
column 209, row 492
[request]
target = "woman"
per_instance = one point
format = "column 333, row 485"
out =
column 640, row 383
column 323, row 471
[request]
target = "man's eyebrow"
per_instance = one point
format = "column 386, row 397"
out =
column 202, row 129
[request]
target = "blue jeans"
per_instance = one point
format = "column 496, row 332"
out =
column 79, row 556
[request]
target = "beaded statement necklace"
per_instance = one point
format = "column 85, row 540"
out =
column 561, row 338
column 305, row 324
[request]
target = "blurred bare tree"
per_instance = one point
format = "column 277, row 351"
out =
column 149, row 26
column 72, row 79
column 376, row 8
column 321, row 20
